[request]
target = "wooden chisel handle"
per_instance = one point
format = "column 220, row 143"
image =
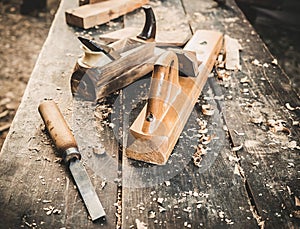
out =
column 58, row 128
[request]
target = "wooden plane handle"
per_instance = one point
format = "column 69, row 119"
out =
column 164, row 86
column 57, row 126
column 149, row 31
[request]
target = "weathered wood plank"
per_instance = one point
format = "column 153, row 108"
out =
column 90, row 15
column 31, row 177
column 179, row 194
column 268, row 176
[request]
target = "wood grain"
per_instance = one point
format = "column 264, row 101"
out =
column 171, row 100
column 57, row 126
column 87, row 16
column 31, row 175
column 264, row 167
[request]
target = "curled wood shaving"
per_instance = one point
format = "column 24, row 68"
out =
column 244, row 80
column 197, row 157
column 237, row 148
column 277, row 125
column 288, row 106
column 208, row 109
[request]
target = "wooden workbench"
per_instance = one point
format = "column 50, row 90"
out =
column 249, row 187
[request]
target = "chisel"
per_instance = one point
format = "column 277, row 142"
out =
column 65, row 142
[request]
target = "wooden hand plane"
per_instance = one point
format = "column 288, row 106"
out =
column 171, row 100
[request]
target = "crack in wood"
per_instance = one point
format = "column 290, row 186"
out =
column 249, row 193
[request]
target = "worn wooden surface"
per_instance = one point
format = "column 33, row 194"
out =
column 234, row 187
column 90, row 15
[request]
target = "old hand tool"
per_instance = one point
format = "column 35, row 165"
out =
column 171, row 100
column 149, row 33
column 95, row 47
column 66, row 143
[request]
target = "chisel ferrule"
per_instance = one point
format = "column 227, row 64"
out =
column 71, row 154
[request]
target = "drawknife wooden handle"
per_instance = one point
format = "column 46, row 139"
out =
column 57, row 126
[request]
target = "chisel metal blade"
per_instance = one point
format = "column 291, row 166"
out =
column 86, row 190
column 93, row 46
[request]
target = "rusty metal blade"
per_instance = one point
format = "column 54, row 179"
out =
column 86, row 190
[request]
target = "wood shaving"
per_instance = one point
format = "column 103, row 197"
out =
column 292, row 145
column 220, row 61
column 161, row 209
column 239, row 133
column 4, row 114
column 151, row 214
column 256, row 62
column 167, row 183
column 274, row 61
column 208, row 109
column 140, row 225
column 223, row 75
column 160, row 200
column 197, row 157
column 277, row 126
column 233, row 158
column 288, row 106
column 244, row 80
column 297, row 201
column 245, row 90
column 257, row 120
column 237, row 148
column 103, row 184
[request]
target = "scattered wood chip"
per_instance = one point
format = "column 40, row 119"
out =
column 239, row 133
column 208, row 109
column 292, row 145
column 4, row 114
column 237, row 148
column 160, row 200
column 151, row 214
column 223, row 75
column 233, row 158
column 297, row 201
column 103, row 184
column 4, row 127
column 232, row 48
column 161, row 209
column 245, row 90
column 167, row 183
column 274, row 61
column 288, row 106
column 199, row 153
column 140, row 225
column 256, row 62
column 277, row 126
column 245, row 80
column 265, row 65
